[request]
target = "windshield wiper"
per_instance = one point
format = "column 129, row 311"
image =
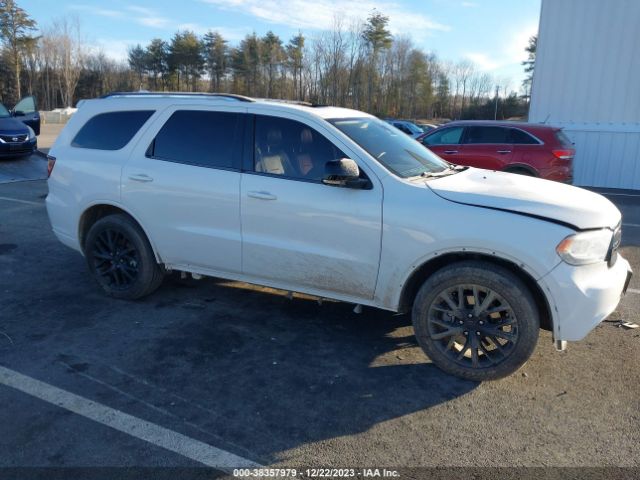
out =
column 441, row 173
column 457, row 168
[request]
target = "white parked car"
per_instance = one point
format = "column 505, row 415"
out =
column 334, row 203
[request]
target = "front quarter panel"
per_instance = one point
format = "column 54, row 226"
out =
column 419, row 226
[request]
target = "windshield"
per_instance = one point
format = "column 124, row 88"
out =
column 395, row 150
column 3, row 111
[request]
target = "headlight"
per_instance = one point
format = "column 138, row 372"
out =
column 585, row 247
column 32, row 134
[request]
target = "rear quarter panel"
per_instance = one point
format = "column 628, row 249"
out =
column 83, row 177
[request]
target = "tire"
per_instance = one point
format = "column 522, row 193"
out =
column 521, row 171
column 121, row 259
column 503, row 333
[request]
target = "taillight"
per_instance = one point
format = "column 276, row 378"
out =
column 51, row 162
column 564, row 153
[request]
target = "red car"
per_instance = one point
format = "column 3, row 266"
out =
column 525, row 148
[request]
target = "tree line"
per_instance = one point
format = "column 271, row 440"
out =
column 358, row 65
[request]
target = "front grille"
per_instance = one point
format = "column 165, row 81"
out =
column 15, row 138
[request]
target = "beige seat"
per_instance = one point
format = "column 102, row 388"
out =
column 270, row 156
column 273, row 164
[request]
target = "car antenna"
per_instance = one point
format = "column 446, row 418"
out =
column 545, row 120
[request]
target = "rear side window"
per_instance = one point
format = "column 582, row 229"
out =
column 203, row 138
column 521, row 138
column 111, row 131
column 447, row 136
column 402, row 127
column 487, row 135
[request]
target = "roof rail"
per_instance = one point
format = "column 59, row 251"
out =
column 240, row 98
column 292, row 102
column 282, row 100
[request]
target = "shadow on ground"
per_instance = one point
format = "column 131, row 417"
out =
column 263, row 370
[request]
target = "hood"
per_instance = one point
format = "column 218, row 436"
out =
column 554, row 201
column 10, row 125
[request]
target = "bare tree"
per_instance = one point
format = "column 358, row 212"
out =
column 69, row 52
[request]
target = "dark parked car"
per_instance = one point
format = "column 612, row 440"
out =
column 427, row 127
column 528, row 149
column 19, row 128
column 406, row 126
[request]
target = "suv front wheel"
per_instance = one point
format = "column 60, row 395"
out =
column 121, row 259
column 476, row 320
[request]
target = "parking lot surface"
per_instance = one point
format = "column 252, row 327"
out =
column 227, row 370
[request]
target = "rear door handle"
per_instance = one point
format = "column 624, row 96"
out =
column 449, row 152
column 140, row 177
column 262, row 195
column 503, row 152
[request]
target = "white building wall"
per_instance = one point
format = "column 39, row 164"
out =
column 587, row 80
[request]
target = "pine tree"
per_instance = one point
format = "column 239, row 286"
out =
column 295, row 54
column 15, row 25
column 216, row 58
column 529, row 65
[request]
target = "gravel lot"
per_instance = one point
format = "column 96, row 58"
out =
column 284, row 382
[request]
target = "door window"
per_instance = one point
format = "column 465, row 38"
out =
column 203, row 138
column 521, row 137
column 26, row 105
column 291, row 149
column 447, row 136
column 492, row 135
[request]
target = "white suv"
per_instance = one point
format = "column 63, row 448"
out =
column 338, row 204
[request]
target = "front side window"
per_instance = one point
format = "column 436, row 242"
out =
column 478, row 135
column 110, row 131
column 291, row 149
column 447, row 136
column 399, row 153
column 202, row 138
column 26, row 105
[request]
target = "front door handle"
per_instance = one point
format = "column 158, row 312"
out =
column 504, row 152
column 140, row 177
column 262, row 195
column 450, row 152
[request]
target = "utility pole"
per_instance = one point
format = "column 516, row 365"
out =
column 495, row 113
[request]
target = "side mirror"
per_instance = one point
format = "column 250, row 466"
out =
column 18, row 113
column 344, row 173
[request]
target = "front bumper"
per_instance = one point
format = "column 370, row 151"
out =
column 582, row 297
column 9, row 150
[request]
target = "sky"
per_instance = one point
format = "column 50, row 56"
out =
column 490, row 33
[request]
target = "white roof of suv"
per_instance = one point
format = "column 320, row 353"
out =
column 169, row 98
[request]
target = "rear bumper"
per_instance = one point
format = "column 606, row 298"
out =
column 12, row 150
column 584, row 296
column 558, row 174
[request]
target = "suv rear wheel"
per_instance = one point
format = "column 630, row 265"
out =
column 476, row 320
column 121, row 259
